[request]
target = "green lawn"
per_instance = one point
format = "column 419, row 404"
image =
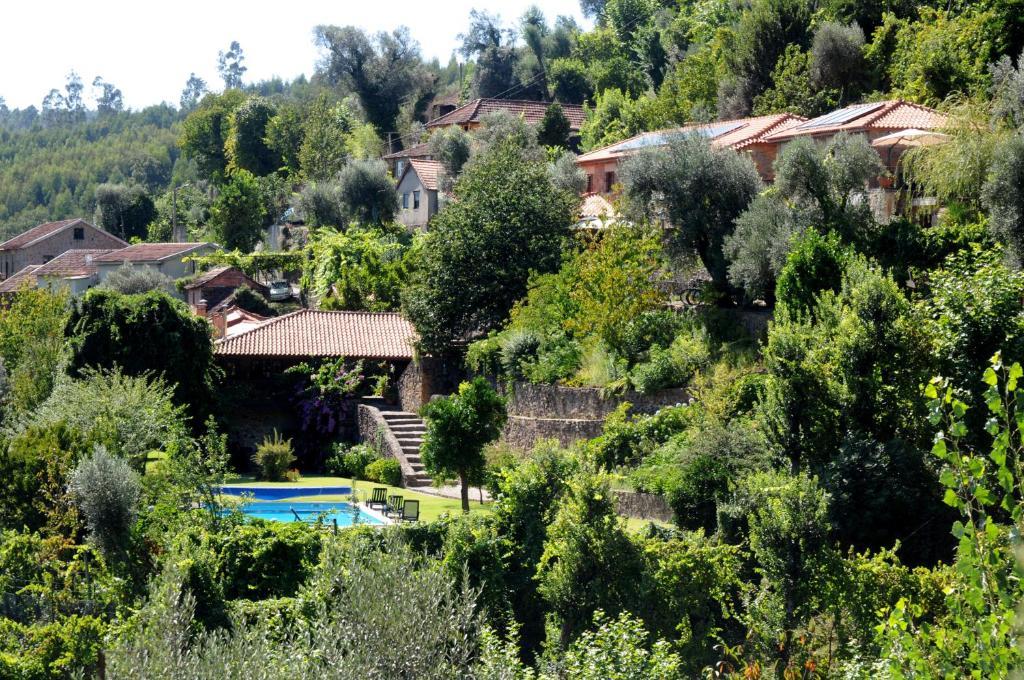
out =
column 431, row 507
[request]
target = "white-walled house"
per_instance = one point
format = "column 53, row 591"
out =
column 166, row 258
column 417, row 192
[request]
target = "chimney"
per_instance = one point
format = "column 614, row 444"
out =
column 219, row 324
column 200, row 308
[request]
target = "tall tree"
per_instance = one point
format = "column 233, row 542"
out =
column 124, row 210
column 496, row 58
column 506, row 221
column 205, row 132
column 246, row 143
column 367, row 192
column 382, row 70
column 195, row 88
column 458, row 428
column 237, row 214
column 109, row 99
column 324, row 142
column 229, row 65
column 700, row 190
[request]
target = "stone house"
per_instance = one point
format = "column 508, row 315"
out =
column 43, row 243
column 744, row 134
column 417, row 192
column 169, row 259
column 214, row 286
column 468, row 115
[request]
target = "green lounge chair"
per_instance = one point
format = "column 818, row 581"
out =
column 379, row 498
column 394, row 506
column 410, row 511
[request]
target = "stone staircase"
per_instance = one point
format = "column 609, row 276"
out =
column 396, row 433
column 409, row 429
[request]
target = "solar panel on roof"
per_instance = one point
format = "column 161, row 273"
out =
column 642, row 142
column 844, row 115
column 718, row 129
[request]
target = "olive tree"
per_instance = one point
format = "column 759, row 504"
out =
column 1003, row 195
column 106, row 490
column 458, row 428
column 367, row 193
column 698, row 190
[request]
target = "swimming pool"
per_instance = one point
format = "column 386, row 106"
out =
column 345, row 514
column 276, row 493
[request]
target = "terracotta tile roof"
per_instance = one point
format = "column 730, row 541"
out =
column 726, row 134
column 531, row 111
column 72, row 263
column 415, row 151
column 23, row 278
column 34, row 234
column 427, row 171
column 884, row 116
column 208, row 276
column 309, row 333
column 149, row 252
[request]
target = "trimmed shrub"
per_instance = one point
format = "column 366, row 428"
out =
column 385, row 471
column 351, row 462
column 273, row 457
column 106, row 490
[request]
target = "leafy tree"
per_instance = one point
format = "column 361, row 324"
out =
column 320, row 204
column 837, row 59
column 356, row 269
column 589, row 562
column 229, row 65
column 382, row 70
column 237, row 215
column 246, row 146
column 106, row 491
column 32, row 345
column 146, row 334
column 495, row 57
column 570, row 83
column 701, row 190
column 506, row 222
column 34, row 466
column 554, row 128
column 458, row 428
column 815, row 264
column 109, row 100
column 452, row 147
column 195, row 89
column 367, row 192
column 205, row 132
column 566, row 175
column 1003, row 195
column 134, row 280
column 795, row 90
column 284, row 136
column 124, row 210
column 613, row 118
column 324, row 144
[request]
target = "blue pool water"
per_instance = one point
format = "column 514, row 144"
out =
column 276, row 493
column 345, row 513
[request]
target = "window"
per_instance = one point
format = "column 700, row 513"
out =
column 415, row 200
column 79, row 234
column 590, row 184
column 405, row 201
column 609, row 180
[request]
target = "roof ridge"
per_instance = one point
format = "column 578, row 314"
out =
column 264, row 325
column 886, row 107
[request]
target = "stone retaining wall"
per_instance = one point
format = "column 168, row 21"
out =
column 570, row 414
column 374, row 430
column 643, row 506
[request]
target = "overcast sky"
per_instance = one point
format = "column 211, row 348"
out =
column 148, row 49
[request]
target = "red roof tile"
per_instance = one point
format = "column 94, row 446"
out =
column 72, row 263
column 34, row 234
column 427, row 171
column 894, row 114
column 531, row 111
column 149, row 252
column 415, row 151
column 726, row 134
column 23, row 278
column 309, row 333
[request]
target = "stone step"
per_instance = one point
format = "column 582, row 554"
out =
column 417, row 480
column 410, row 430
column 410, row 441
column 410, row 451
column 398, row 415
column 413, row 459
column 403, row 421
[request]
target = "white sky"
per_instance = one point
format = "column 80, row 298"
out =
column 148, row 49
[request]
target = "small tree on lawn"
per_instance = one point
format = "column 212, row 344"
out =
column 458, row 428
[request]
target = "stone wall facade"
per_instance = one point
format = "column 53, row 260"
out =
column 571, row 414
column 643, row 506
column 425, row 377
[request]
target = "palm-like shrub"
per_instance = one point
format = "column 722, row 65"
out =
column 273, row 457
